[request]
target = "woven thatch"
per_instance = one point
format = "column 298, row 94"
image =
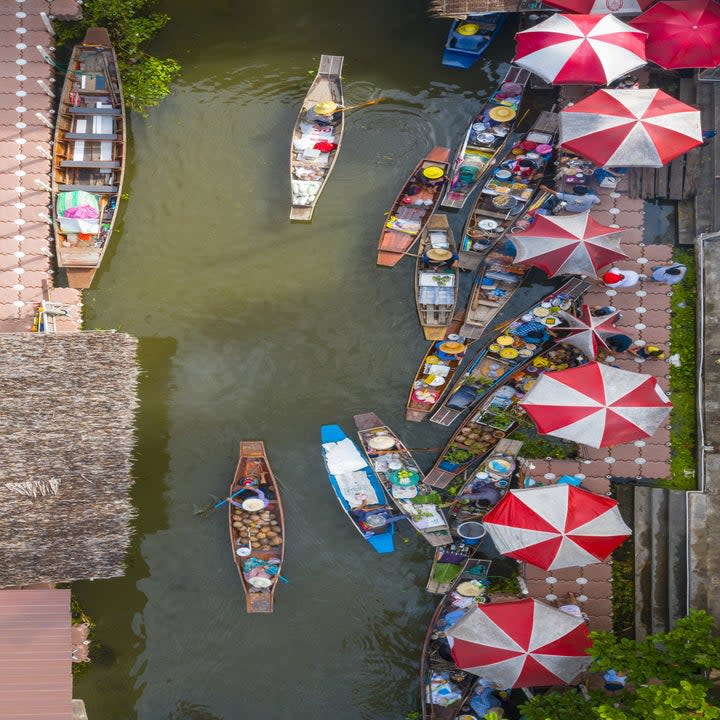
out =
column 462, row 8
column 67, row 409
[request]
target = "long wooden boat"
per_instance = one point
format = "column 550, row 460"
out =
column 402, row 478
column 316, row 139
column 436, row 290
column 498, row 278
column 88, row 161
column 413, row 207
column 437, row 668
column 497, row 417
column 485, row 138
column 517, row 343
column 358, row 489
column 468, row 39
column 426, row 390
column 508, row 191
column 450, row 560
column 257, row 526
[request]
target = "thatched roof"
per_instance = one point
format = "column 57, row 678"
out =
column 462, row 8
column 67, row 410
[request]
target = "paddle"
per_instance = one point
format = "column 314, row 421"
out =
column 362, row 104
column 214, row 504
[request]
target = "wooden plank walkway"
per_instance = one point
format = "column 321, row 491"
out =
column 678, row 180
column 25, row 235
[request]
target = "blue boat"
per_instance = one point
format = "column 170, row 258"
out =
column 468, row 39
column 358, row 489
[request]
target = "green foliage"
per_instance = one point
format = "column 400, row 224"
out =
column 623, row 589
column 131, row 24
column 414, row 715
column 557, row 706
column 536, row 446
column 683, row 379
column 668, row 673
column 504, row 584
column 687, row 652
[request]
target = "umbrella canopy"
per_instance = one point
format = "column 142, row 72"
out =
column 630, row 128
column 585, row 49
column 523, row 643
column 568, row 244
column 556, row 526
column 682, row 34
column 600, row 7
column 587, row 332
column 597, row 405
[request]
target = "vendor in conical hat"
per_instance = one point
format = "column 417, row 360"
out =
column 439, row 258
column 324, row 113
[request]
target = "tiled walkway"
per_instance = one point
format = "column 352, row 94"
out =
column 25, row 143
column 645, row 315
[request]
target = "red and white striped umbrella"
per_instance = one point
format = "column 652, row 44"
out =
column 522, row 643
column 584, row 49
column 682, row 34
column 597, row 405
column 572, row 244
column 587, row 332
column 556, row 526
column 630, row 128
column 601, row 7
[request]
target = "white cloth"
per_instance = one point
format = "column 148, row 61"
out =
column 343, row 457
column 356, row 488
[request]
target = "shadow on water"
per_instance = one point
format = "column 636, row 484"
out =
column 116, row 605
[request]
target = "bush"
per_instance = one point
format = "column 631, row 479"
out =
column 683, row 380
column 130, row 23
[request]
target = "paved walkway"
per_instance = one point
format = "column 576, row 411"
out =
column 645, row 316
column 26, row 275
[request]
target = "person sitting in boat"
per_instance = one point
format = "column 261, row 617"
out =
column 369, row 517
column 324, row 113
column 439, row 258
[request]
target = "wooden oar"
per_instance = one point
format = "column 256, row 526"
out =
column 362, row 104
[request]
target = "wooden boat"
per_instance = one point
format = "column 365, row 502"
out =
column 499, row 358
column 436, row 289
column 505, row 194
column 413, row 207
column 88, row 161
column 425, row 394
column 497, row 417
column 450, row 560
column 310, row 167
column 498, row 278
column 485, row 138
column 462, row 48
column 257, row 526
column 357, row 489
column 402, row 478
column 436, row 663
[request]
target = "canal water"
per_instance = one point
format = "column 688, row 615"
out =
column 252, row 327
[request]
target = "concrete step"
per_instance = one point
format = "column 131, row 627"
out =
column 677, row 556
column 660, row 559
column 698, row 542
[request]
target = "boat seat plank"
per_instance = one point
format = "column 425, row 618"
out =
column 93, row 111
column 88, row 188
column 101, row 164
column 98, row 137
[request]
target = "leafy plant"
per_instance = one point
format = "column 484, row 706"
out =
column 682, row 378
column 131, row 25
column 457, row 455
column 669, row 672
column 535, row 446
column 504, row 584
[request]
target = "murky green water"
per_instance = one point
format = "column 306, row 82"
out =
column 251, row 327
